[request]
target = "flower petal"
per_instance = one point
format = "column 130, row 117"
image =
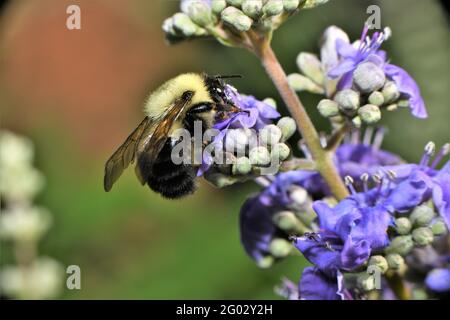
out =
column 354, row 254
column 314, row 285
column 438, row 280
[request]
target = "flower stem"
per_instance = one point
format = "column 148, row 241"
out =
column 398, row 286
column 322, row 157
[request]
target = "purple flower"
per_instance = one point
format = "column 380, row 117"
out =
column 315, row 285
column 438, row 280
column 255, row 114
column 353, row 158
column 418, row 183
column 368, row 49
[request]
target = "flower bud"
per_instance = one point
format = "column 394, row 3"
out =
column 167, row 26
column 403, row 225
column 310, row 66
column 219, row 180
column 369, row 113
column 273, row 7
column 252, row 8
column 280, row 248
column 366, row 282
column 288, row 128
column 328, row 108
column 421, row 216
column 368, row 77
column 237, row 19
column 242, row 166
column 392, row 107
column 271, row 102
column 380, row 262
column 217, row 6
column 357, row 122
column 348, row 100
column 291, row 5
column 401, row 245
column 270, row 135
column 438, row 227
column 183, row 24
column 395, row 261
column 299, row 83
column 423, row 236
column 313, row 3
column 236, row 140
column 281, row 151
column 200, row 13
column 390, row 92
column 265, row 262
column 376, row 98
column 24, row 224
column 259, row 156
column 285, row 220
column 235, row 3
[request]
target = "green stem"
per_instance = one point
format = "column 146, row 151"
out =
column 398, row 286
column 322, row 157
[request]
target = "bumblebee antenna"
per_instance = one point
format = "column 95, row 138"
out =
column 230, row 76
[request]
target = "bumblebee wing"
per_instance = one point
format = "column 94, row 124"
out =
column 125, row 154
column 153, row 145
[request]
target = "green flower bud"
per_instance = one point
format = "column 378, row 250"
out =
column 242, row 166
column 369, row 113
column 167, row 26
column 281, row 151
column 380, row 262
column 313, row 3
column 423, row 236
column 328, row 108
column 200, row 13
column 235, row 3
column 392, row 107
column 439, row 227
column 366, row 282
column 348, row 100
column 368, row 77
column 252, row 8
column 403, row 226
column 270, row 135
column 422, row 215
column 273, row 7
column 299, row 196
column 285, row 220
column 300, row 83
column 403, row 103
column 183, row 24
column 291, row 5
column 390, row 92
column 288, row 127
column 237, row 19
column 265, row 262
column 357, row 122
column 217, row 6
column 376, row 98
column 419, row 294
column 401, row 245
column 311, row 67
column 259, row 156
column 280, row 248
column 271, row 102
column 395, row 261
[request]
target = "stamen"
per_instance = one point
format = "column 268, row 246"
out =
column 349, row 183
column 387, row 33
column 355, row 136
column 365, row 179
column 323, row 139
column 302, row 145
column 368, row 134
column 445, row 150
column 429, row 151
column 391, row 175
column 378, row 139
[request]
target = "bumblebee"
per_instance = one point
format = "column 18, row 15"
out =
column 178, row 103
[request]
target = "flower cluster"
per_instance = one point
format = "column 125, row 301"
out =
column 227, row 19
column 248, row 143
column 23, row 224
column 357, row 79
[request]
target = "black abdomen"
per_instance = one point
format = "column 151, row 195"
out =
column 171, row 180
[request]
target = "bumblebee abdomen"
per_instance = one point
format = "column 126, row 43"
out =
column 172, row 181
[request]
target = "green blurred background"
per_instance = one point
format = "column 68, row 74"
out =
column 77, row 94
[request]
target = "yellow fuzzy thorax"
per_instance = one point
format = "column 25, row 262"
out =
column 173, row 89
